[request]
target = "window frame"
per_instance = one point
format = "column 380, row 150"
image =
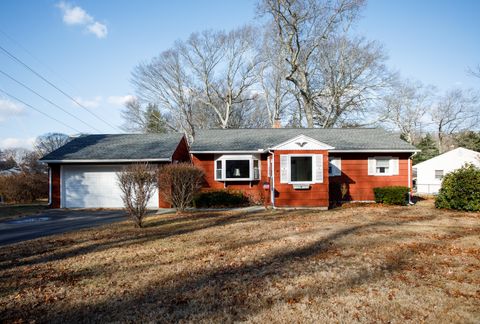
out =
column 233, row 157
column 435, row 174
column 312, row 156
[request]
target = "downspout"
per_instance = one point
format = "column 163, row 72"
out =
column 272, row 179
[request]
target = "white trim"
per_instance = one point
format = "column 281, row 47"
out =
column 333, row 150
column 320, row 145
column 107, row 161
column 62, row 198
column 313, row 168
column 235, row 157
column 374, row 151
column 390, row 169
column 50, row 186
column 229, row 152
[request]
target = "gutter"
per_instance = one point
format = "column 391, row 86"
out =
column 107, row 160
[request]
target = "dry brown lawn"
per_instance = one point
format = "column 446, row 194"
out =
column 360, row 264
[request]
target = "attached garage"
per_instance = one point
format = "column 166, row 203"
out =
column 93, row 186
column 83, row 172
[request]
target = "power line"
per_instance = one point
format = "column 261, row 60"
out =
column 46, row 99
column 13, row 57
column 10, row 38
column 38, row 110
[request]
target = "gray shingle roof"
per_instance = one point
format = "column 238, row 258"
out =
column 255, row 139
column 117, row 147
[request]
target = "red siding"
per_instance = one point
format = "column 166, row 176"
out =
column 182, row 153
column 355, row 175
column 316, row 196
column 252, row 188
column 55, row 185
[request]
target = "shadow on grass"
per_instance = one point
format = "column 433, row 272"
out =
column 232, row 292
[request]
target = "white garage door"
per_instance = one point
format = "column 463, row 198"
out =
column 94, row 187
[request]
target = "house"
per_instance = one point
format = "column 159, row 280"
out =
column 83, row 172
column 429, row 173
column 303, row 167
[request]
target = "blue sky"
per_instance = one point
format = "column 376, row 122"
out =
column 90, row 51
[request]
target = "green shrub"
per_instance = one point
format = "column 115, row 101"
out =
column 395, row 195
column 221, row 198
column 460, row 190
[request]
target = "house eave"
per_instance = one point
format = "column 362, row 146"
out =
column 375, row 151
column 106, row 160
column 227, row 152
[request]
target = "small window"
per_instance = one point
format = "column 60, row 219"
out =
column 218, row 169
column 300, row 168
column 334, row 166
column 237, row 169
column 383, row 166
column 439, row 174
column 256, row 170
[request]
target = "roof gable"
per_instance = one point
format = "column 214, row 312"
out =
column 459, row 154
column 302, row 142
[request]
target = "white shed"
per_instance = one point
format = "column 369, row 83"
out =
column 429, row 173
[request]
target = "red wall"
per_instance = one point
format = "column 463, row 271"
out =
column 355, row 175
column 182, row 152
column 316, row 196
column 55, row 185
column 254, row 188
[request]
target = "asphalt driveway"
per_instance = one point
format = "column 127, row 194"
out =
column 55, row 222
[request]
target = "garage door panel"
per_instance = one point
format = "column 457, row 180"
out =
column 94, row 187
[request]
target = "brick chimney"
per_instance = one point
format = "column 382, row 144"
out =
column 277, row 123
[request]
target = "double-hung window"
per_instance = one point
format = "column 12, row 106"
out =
column 237, row 168
column 383, row 166
column 439, row 174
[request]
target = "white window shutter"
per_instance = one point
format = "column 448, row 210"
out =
column 394, row 166
column 371, row 166
column 318, row 168
column 284, row 168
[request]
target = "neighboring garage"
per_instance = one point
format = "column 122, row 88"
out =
column 83, row 172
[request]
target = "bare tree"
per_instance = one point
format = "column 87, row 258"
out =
column 144, row 119
column 405, row 107
column 137, row 183
column 179, row 183
column 303, row 27
column 166, row 81
column 353, row 77
column 456, row 111
column 223, row 66
column 475, row 71
column 49, row 142
column 277, row 96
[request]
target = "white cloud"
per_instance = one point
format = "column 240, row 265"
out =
column 119, row 100
column 75, row 15
column 9, row 108
column 14, row 142
column 100, row 30
column 89, row 103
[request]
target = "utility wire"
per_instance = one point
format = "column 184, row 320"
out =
column 10, row 38
column 47, row 100
column 38, row 110
column 13, row 57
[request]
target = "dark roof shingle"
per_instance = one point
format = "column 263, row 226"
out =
column 117, row 147
column 256, row 139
